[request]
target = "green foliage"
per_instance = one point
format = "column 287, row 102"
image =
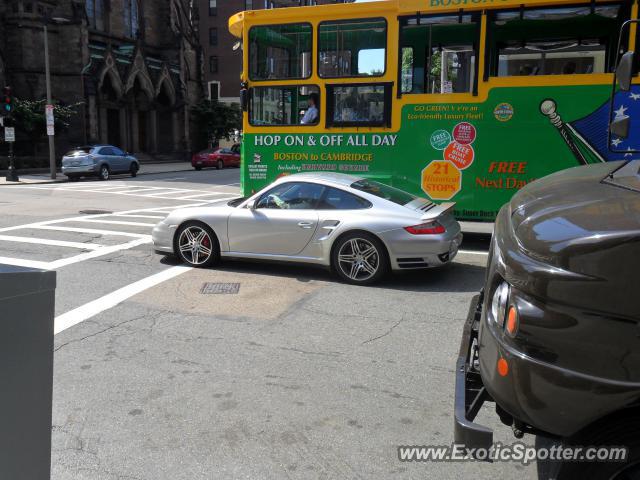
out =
column 29, row 117
column 215, row 120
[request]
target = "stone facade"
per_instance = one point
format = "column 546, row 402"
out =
column 134, row 65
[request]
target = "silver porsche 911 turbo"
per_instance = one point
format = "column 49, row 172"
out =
column 358, row 227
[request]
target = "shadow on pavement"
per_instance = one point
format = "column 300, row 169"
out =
column 456, row 277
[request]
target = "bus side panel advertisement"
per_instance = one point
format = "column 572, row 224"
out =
column 475, row 154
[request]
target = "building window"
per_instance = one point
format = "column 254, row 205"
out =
column 214, row 91
column 213, row 37
column 248, row 4
column 131, row 26
column 95, row 13
column 352, row 48
column 213, row 64
column 213, row 8
column 280, row 51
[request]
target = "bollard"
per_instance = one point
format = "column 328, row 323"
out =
column 27, row 299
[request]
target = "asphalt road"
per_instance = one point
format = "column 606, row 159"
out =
column 297, row 376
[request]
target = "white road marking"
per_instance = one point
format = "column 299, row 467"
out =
column 18, row 262
column 98, row 253
column 90, row 230
column 114, row 222
column 47, row 241
column 137, row 216
column 170, row 192
column 473, row 252
column 88, row 310
column 202, row 195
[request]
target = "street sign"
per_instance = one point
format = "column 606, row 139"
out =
column 9, row 134
column 48, row 113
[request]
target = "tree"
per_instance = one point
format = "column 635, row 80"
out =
column 215, row 120
column 29, row 119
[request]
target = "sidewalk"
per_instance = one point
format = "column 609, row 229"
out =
column 145, row 169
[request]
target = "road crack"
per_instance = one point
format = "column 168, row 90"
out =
column 384, row 334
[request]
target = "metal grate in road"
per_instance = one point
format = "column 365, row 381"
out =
column 209, row 288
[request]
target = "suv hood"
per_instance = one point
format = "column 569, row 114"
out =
column 574, row 212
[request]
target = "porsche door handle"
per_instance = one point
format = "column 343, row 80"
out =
column 305, row 224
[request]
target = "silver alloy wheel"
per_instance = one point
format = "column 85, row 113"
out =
column 358, row 259
column 195, row 245
column 104, row 172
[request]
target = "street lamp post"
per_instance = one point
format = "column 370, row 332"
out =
column 52, row 145
column 47, row 74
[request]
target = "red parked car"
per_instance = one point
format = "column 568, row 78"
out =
column 219, row 158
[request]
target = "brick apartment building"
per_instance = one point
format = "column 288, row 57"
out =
column 223, row 65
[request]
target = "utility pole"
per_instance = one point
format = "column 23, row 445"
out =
column 52, row 145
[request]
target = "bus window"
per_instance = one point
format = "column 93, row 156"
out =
column 352, row 48
column 443, row 54
column 281, row 105
column 278, row 52
column 554, row 41
column 356, row 105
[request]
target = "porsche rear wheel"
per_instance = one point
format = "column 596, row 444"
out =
column 359, row 258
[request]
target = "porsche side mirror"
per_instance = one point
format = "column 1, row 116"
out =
column 624, row 71
column 251, row 204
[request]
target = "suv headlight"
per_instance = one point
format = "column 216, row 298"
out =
column 499, row 304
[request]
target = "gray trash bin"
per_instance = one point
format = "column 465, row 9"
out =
column 26, row 372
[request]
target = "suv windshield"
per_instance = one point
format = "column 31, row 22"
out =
column 383, row 191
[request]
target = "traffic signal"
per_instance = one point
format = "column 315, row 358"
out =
column 6, row 107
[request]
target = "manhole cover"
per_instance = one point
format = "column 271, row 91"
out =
column 95, row 212
column 220, row 288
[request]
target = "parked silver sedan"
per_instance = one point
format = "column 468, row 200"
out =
column 358, row 227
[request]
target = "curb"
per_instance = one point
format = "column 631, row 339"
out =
column 48, row 182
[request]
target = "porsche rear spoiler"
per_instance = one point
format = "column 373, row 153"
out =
column 431, row 211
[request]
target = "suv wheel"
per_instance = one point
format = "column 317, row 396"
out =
column 104, row 172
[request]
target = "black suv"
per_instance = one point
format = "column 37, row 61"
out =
column 554, row 338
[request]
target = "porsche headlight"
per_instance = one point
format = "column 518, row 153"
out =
column 499, row 303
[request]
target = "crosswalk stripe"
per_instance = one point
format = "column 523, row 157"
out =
column 90, row 230
column 114, row 222
column 47, row 241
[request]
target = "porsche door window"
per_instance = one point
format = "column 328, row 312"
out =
column 292, row 196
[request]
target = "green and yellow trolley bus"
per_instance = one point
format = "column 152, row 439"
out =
column 456, row 100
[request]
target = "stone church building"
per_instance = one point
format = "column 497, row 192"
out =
column 134, row 65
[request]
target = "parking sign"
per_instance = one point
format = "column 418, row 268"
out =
column 9, row 134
